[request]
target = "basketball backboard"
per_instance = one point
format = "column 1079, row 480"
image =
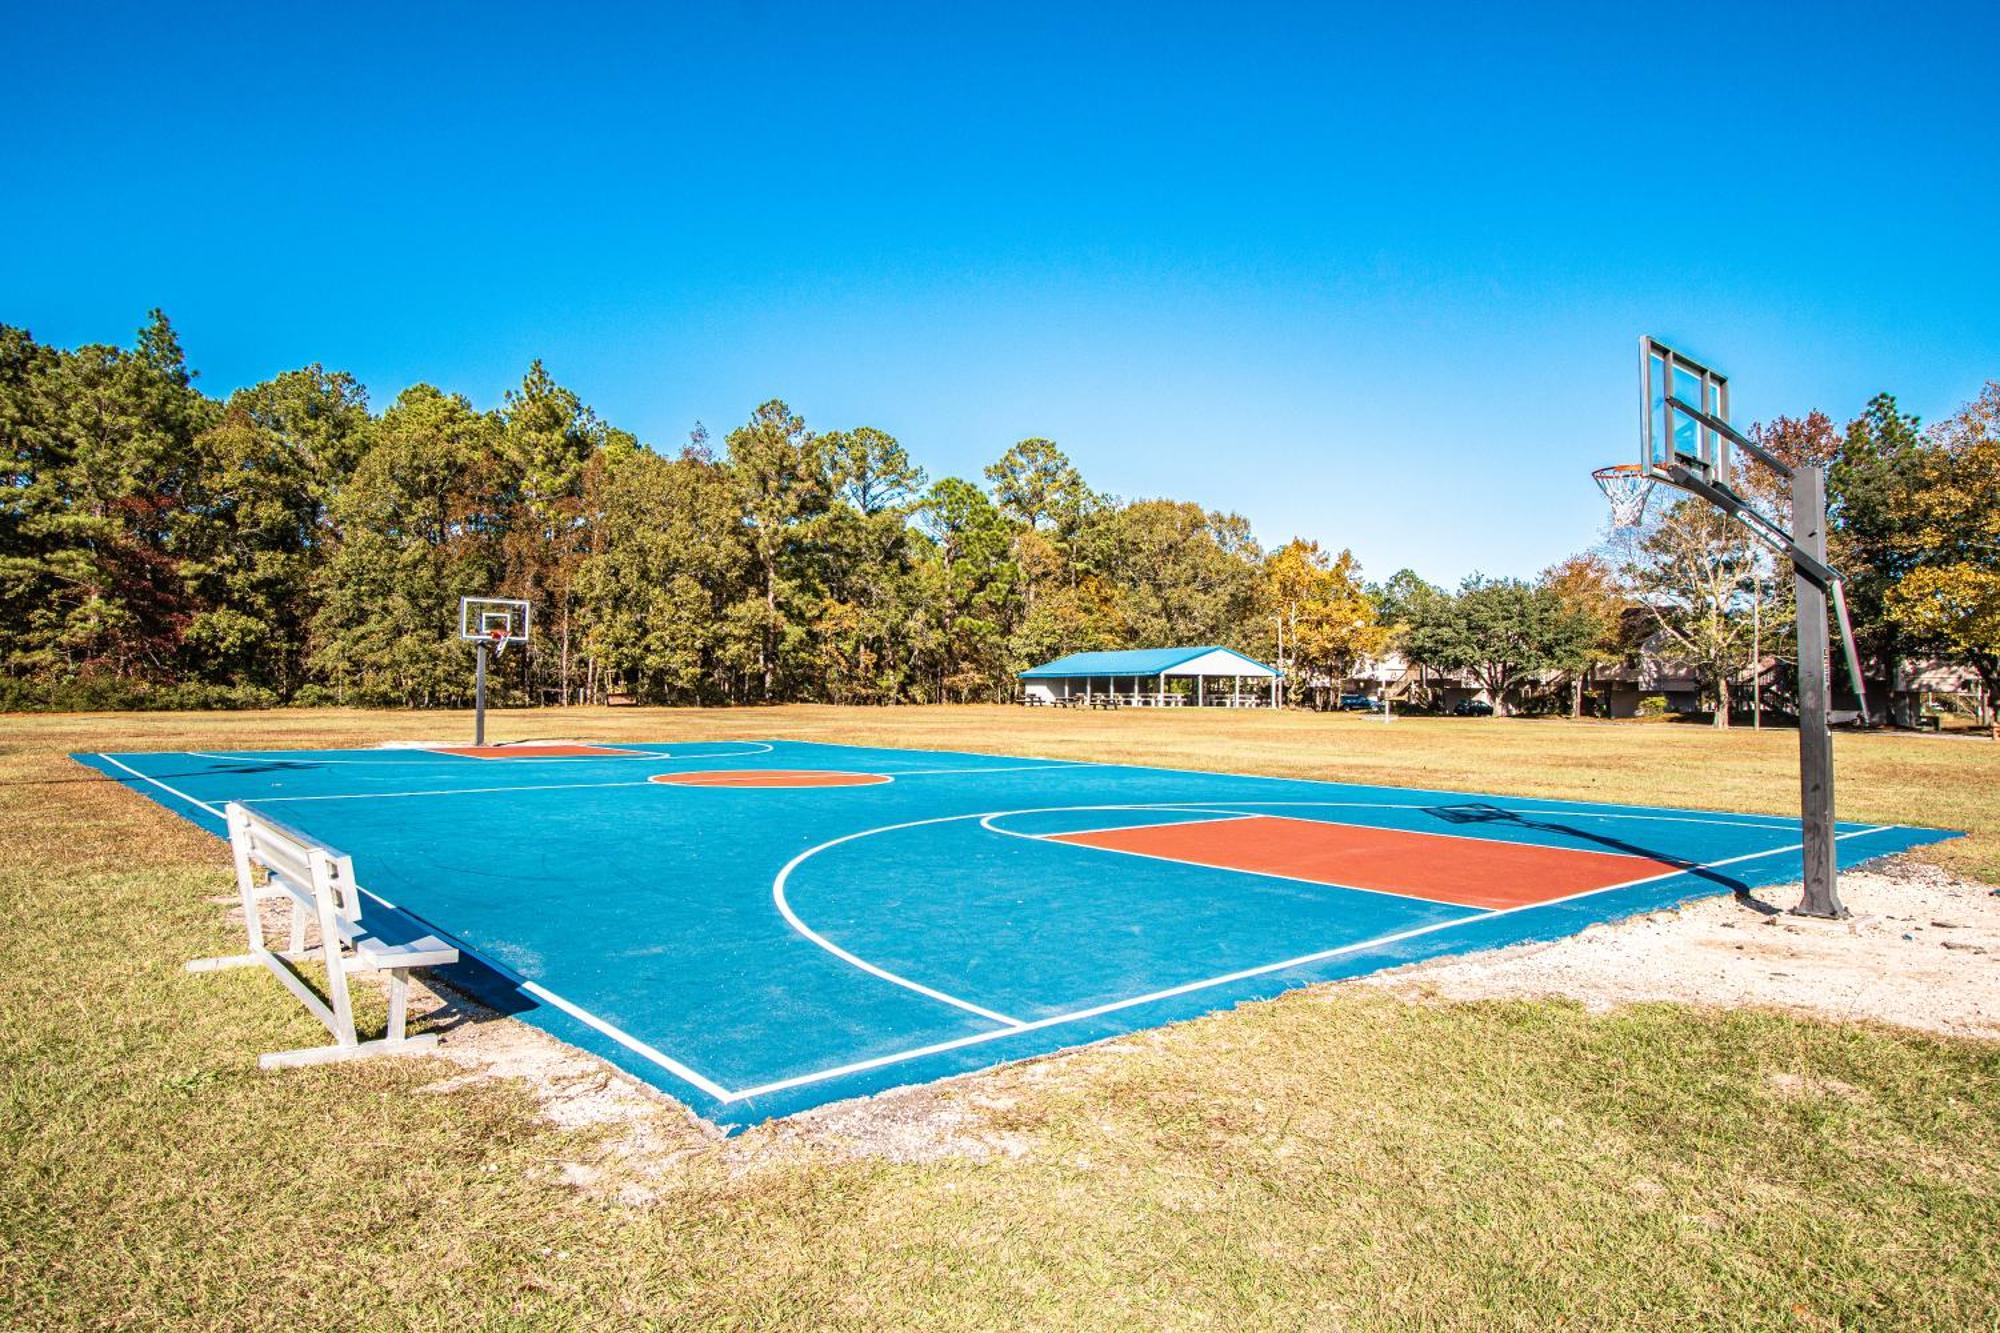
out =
column 1668, row 437
column 495, row 621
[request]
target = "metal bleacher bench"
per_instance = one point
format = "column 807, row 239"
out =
column 320, row 883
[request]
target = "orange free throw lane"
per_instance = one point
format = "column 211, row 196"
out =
column 1475, row 872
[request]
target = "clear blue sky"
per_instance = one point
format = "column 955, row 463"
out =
column 1371, row 275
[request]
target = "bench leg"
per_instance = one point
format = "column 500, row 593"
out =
column 399, row 1001
column 326, row 1055
column 395, row 1042
column 222, row 964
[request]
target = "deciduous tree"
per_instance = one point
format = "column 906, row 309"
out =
column 1951, row 598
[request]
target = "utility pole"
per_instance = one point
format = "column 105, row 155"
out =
column 1757, row 653
column 1277, row 686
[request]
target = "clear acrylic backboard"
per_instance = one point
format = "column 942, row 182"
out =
column 1668, row 437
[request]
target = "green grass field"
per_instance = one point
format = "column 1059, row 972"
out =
column 1335, row 1158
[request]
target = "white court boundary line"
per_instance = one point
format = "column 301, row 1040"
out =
column 854, row 960
column 1096, row 1011
column 597, row 786
column 680, row 779
column 988, row 824
column 171, row 791
column 781, row 898
column 580, row 1014
column 1214, row 817
column 727, row 1096
column 631, row 1043
column 1354, row 805
column 1580, row 807
column 295, row 758
column 446, row 791
column 519, row 754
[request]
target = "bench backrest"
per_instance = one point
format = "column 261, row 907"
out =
column 306, row 864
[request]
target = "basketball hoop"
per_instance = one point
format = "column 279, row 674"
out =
column 1627, row 487
column 490, row 624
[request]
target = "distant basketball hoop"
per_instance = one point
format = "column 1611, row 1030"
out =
column 490, row 624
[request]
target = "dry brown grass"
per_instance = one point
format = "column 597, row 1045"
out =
column 1331, row 1158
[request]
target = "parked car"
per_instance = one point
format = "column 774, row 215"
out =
column 1355, row 703
column 1472, row 708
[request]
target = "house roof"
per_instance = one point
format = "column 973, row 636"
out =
column 1147, row 662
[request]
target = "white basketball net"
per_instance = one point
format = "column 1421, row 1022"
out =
column 1628, row 488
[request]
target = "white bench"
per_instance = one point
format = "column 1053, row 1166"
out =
column 320, row 883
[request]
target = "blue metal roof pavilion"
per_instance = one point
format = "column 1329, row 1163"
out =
column 1139, row 676
column 1148, row 662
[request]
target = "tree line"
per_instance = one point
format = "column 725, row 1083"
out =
column 289, row 543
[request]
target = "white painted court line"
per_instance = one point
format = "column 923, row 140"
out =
column 1225, row 870
column 1214, row 817
column 1397, row 805
column 569, row 786
column 1579, row 807
column 986, row 821
column 1667, row 815
column 792, row 919
column 1014, row 1026
column 540, row 992
column 579, row 1013
column 449, row 791
column 526, row 755
column 939, row 1048
column 679, row 780
column 1011, row 768
column 171, row 791
column 1095, row 1011
column 520, row 754
column 987, row 824
column 630, row 1042
column 420, row 754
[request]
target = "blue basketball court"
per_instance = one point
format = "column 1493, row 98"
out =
column 758, row 927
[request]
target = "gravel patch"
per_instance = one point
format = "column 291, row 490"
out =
column 1921, row 950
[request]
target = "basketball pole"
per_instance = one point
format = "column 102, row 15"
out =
column 1812, row 582
column 479, row 697
column 1816, row 815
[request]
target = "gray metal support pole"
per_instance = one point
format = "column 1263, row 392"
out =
column 479, row 699
column 1822, row 887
